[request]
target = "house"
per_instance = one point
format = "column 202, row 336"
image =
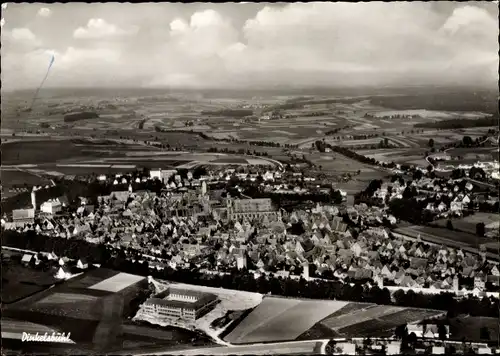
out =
column 51, row 207
column 394, row 348
column 479, row 282
column 430, row 331
column 494, row 271
column 23, row 215
column 345, row 348
column 82, row 264
column 63, row 273
column 26, row 259
column 482, row 350
column 438, row 350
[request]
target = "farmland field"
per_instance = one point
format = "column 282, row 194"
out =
column 59, row 298
column 281, row 319
column 12, row 328
column 367, row 320
column 53, row 150
column 17, row 177
column 19, row 282
column 359, row 316
column 117, row 282
column 468, row 223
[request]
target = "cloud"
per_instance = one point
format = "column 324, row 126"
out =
column 300, row 44
column 206, row 34
column 92, row 67
column 77, row 56
column 99, row 29
column 363, row 39
column 467, row 16
column 23, row 34
column 44, row 12
column 20, row 39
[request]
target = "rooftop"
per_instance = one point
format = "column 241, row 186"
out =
column 172, row 299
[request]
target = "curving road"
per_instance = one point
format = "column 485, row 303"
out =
column 283, row 348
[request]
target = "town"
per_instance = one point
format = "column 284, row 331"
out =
column 207, row 220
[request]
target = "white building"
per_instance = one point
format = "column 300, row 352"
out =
column 33, row 198
column 438, row 350
column 51, row 207
column 155, row 173
column 63, row 273
column 241, row 261
column 23, row 215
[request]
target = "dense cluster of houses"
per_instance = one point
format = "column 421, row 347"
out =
column 445, row 198
column 193, row 224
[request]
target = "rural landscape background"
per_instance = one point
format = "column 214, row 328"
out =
column 370, row 130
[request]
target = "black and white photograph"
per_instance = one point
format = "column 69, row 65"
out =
column 303, row 178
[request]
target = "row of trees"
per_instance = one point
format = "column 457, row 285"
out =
column 243, row 280
column 321, row 146
column 460, row 123
column 240, row 151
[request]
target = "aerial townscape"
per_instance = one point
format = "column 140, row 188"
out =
column 250, row 178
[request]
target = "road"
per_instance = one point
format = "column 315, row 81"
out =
column 283, row 348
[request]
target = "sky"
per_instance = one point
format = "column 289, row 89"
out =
column 243, row 45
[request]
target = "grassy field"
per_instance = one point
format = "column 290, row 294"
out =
column 470, row 327
column 19, row 282
column 468, row 224
column 398, row 155
column 366, row 320
column 280, row 319
column 14, row 177
column 46, row 150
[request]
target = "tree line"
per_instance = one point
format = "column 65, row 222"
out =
column 322, row 146
column 451, row 124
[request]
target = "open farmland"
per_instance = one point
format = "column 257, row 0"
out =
column 280, row 319
column 59, row 298
column 40, row 151
column 19, row 282
column 367, row 320
column 337, row 163
column 18, row 177
column 397, row 155
column 117, row 282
